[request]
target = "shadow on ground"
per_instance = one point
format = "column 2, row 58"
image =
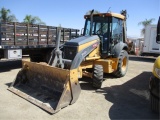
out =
column 130, row 100
column 142, row 59
column 7, row 65
column 86, row 82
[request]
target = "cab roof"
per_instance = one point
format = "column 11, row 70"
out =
column 107, row 14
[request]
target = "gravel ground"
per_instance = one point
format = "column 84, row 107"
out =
column 119, row 98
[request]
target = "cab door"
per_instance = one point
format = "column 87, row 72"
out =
column 117, row 31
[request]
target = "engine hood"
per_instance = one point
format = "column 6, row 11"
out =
column 81, row 40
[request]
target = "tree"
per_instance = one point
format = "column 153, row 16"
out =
column 145, row 23
column 33, row 20
column 5, row 16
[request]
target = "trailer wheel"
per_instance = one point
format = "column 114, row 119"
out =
column 122, row 64
column 155, row 104
column 97, row 76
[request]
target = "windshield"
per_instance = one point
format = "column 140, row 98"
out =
column 100, row 25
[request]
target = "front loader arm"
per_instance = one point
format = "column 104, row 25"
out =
column 56, row 57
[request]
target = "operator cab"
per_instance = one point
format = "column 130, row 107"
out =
column 109, row 28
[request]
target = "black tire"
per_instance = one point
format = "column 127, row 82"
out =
column 122, row 64
column 97, row 76
column 155, row 104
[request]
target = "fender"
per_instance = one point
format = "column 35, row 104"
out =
column 118, row 48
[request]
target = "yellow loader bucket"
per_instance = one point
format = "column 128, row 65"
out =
column 48, row 87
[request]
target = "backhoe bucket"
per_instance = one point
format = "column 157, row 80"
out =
column 48, row 87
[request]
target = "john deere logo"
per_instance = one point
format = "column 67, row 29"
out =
column 70, row 53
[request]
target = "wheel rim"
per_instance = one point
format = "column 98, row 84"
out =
column 124, row 64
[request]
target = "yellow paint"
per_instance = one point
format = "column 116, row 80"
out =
column 81, row 47
column 80, row 72
column 92, row 58
column 74, row 76
column 124, row 64
column 156, row 65
column 117, row 15
column 109, row 65
column 87, row 64
column 107, row 14
column 95, row 52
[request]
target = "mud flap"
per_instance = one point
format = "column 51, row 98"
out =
column 48, row 87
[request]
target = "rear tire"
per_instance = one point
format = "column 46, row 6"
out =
column 122, row 64
column 154, row 103
column 97, row 76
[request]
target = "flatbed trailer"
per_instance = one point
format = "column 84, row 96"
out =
column 37, row 41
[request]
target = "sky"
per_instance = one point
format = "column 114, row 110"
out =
column 70, row 13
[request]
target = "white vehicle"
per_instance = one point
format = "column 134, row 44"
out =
column 150, row 47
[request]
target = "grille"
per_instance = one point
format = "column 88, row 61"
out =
column 70, row 52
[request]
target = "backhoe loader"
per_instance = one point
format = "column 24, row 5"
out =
column 101, row 49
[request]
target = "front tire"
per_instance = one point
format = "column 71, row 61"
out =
column 122, row 64
column 97, row 76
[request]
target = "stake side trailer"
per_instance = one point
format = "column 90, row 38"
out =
column 37, row 41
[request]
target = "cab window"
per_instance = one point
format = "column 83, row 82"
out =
column 117, row 29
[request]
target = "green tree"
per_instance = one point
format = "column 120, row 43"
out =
column 6, row 16
column 145, row 23
column 33, row 20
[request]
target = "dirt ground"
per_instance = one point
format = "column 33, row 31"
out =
column 119, row 98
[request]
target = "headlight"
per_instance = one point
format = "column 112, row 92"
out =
column 157, row 72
